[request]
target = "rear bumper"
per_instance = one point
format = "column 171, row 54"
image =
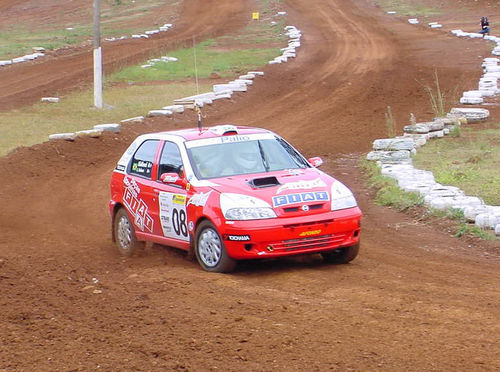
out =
column 291, row 236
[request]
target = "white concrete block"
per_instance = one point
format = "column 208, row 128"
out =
column 63, row 136
column 174, row 108
column 94, row 133
column 114, row 127
column 160, row 113
column 137, row 119
column 50, row 99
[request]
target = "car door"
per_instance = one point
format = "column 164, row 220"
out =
column 138, row 196
column 171, row 198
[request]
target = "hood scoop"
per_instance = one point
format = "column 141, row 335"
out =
column 259, row 183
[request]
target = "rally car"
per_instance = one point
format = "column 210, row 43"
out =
column 230, row 193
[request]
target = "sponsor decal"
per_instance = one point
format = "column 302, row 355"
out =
column 136, row 206
column 132, row 185
column 302, row 185
column 173, row 217
column 170, row 179
column 179, row 199
column 191, row 226
column 142, row 167
column 304, row 197
column 310, row 233
column 228, row 139
column 294, row 172
column 199, row 200
column 120, row 168
column 238, row 238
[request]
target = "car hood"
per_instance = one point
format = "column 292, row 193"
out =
column 282, row 189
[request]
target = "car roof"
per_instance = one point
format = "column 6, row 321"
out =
column 209, row 132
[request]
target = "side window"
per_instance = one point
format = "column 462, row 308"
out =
column 170, row 160
column 142, row 161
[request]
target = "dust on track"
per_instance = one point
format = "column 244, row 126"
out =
column 415, row 299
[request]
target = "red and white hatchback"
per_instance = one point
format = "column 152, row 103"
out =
column 230, row 193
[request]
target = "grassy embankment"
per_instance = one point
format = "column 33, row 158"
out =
column 226, row 56
column 469, row 158
column 18, row 39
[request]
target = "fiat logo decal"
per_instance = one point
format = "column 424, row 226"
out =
column 305, row 208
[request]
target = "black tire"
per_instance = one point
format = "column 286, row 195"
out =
column 341, row 255
column 125, row 238
column 210, row 249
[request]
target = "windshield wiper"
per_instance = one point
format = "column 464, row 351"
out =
column 264, row 161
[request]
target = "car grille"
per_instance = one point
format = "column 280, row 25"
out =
column 310, row 242
column 298, row 209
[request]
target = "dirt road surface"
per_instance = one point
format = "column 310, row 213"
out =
column 415, row 299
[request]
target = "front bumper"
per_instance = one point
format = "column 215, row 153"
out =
column 279, row 237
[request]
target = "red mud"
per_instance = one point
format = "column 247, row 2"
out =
column 415, row 299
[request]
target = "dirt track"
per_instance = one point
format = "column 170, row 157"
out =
column 415, row 299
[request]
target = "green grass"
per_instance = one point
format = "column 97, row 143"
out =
column 470, row 161
column 388, row 193
column 258, row 42
column 225, row 63
column 76, row 112
column 466, row 229
column 407, row 8
column 17, row 40
column 228, row 56
column 20, row 42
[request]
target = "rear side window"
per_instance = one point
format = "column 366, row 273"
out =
column 142, row 161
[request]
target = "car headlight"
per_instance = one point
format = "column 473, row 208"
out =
column 243, row 207
column 342, row 197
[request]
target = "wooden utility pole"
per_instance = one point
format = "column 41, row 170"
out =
column 97, row 56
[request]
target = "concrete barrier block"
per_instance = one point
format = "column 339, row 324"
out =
column 174, row 108
column 50, row 99
column 388, row 156
column 137, row 119
column 419, row 128
column 471, row 114
column 471, row 100
column 246, row 77
column 394, row 144
column 115, row 128
column 62, row 136
column 160, row 113
column 94, row 133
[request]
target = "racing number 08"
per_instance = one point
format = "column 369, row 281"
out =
column 179, row 222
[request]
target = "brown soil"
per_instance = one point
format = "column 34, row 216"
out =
column 415, row 299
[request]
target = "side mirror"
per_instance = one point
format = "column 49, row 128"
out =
column 173, row 179
column 316, row 162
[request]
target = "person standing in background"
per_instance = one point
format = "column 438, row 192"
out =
column 485, row 26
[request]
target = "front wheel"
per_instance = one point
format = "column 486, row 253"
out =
column 211, row 251
column 125, row 235
column 341, row 255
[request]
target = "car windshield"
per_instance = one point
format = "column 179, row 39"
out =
column 244, row 157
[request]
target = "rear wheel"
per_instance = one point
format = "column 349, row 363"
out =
column 211, row 251
column 125, row 235
column 341, row 255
